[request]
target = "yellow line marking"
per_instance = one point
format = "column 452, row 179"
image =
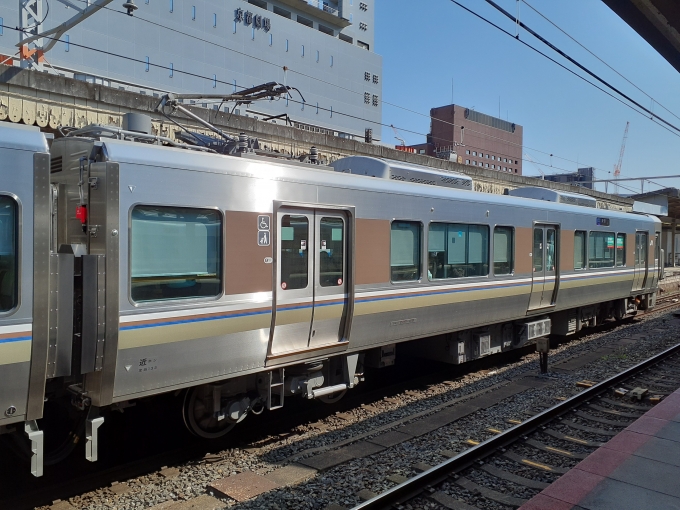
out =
column 536, row 464
column 472, row 442
column 557, row 450
column 575, row 440
column 495, row 431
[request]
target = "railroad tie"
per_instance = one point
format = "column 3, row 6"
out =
column 510, row 477
column 564, row 437
column 614, row 411
column 450, row 502
column 624, row 405
column 592, row 430
column 557, row 451
column 491, row 494
column 542, row 466
column 590, row 417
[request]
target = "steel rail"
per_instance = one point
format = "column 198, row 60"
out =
column 414, row 486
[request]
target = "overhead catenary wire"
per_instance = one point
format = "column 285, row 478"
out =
column 316, row 78
column 180, row 71
column 211, row 79
column 576, row 63
column 597, row 57
column 486, row 135
column 560, row 65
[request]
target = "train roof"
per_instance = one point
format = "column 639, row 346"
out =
column 248, row 165
column 401, row 171
column 21, row 137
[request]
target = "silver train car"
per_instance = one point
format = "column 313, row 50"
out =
column 131, row 268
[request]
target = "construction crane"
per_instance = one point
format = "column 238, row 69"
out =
column 396, row 135
column 617, row 167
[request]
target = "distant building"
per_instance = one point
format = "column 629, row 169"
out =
column 582, row 177
column 476, row 138
column 221, row 47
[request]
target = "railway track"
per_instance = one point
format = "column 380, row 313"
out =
column 508, row 467
column 80, row 476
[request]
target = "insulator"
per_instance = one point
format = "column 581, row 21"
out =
column 242, row 142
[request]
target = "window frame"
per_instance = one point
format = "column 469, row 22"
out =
column 18, row 225
column 612, row 232
column 420, row 251
column 616, row 239
column 426, row 249
column 174, row 301
column 512, row 251
column 345, row 230
column 585, row 249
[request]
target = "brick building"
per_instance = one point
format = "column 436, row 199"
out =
column 477, row 138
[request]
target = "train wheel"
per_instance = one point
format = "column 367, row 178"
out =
column 333, row 397
column 200, row 417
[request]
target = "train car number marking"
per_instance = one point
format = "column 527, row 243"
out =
column 402, row 322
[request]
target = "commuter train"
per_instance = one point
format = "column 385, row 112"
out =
column 130, row 267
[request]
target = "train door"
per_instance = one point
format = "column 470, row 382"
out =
column 641, row 251
column 654, row 273
column 311, row 300
column 330, row 278
column 544, row 262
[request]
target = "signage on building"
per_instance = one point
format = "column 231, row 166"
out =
column 248, row 18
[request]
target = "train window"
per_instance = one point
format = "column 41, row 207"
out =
column 175, row 253
column 457, row 250
column 579, row 249
column 503, row 245
column 294, row 253
column 601, row 249
column 9, row 254
column 332, row 252
column 538, row 250
column 405, row 251
column 550, row 249
column 620, row 250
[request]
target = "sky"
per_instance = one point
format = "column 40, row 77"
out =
column 434, row 51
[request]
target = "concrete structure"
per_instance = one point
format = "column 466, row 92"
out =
column 478, row 139
column 49, row 101
column 668, row 198
column 657, row 21
column 582, row 177
column 220, row 46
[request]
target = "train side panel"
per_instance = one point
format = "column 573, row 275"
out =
column 24, row 272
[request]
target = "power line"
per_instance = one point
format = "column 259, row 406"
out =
column 486, row 135
column 577, row 64
column 160, row 25
column 557, row 63
column 180, row 71
column 597, row 57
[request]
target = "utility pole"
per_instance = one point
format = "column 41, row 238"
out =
column 32, row 45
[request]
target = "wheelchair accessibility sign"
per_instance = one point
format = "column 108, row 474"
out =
column 263, row 235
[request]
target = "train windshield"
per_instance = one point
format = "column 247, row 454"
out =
column 175, row 253
column 9, row 256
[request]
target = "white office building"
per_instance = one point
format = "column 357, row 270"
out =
column 323, row 48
